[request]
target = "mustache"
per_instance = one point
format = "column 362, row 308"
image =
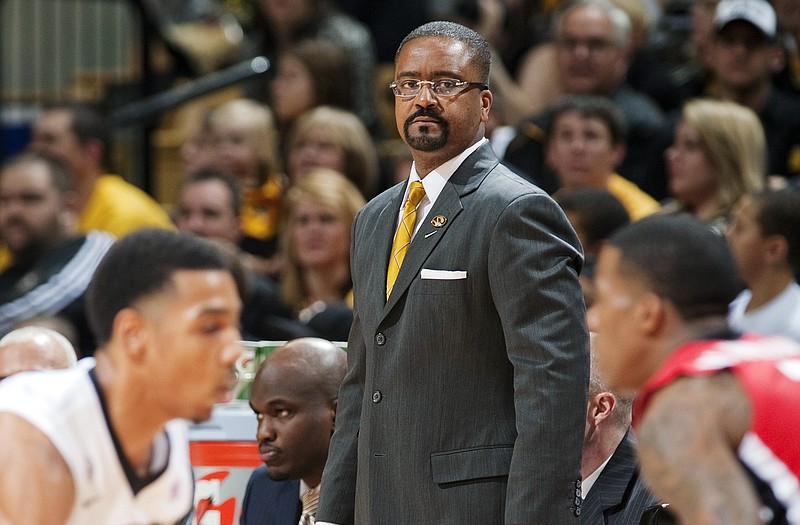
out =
column 427, row 113
column 14, row 221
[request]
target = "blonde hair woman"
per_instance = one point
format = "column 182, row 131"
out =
column 315, row 245
column 718, row 155
column 246, row 140
column 337, row 139
column 246, row 145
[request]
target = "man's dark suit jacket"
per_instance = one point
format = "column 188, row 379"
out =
column 619, row 496
column 464, row 401
column 268, row 502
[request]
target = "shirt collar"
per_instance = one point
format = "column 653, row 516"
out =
column 435, row 180
column 586, row 484
column 303, row 488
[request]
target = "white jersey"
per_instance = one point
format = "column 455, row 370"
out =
column 66, row 407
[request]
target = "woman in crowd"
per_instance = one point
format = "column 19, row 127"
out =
column 315, row 245
column 718, row 155
column 337, row 139
column 282, row 23
column 311, row 73
column 245, row 145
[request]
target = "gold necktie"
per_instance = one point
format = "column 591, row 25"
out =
column 310, row 502
column 403, row 236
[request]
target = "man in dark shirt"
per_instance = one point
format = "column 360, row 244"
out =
column 52, row 263
column 744, row 54
column 592, row 39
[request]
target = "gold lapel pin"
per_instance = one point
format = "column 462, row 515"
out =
column 438, row 221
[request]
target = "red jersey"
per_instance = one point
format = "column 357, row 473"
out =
column 768, row 368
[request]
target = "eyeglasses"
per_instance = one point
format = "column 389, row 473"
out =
column 444, row 87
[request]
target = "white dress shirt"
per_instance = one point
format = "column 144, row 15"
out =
column 434, row 184
column 586, row 484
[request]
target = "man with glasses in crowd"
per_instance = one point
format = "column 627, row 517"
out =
column 592, row 53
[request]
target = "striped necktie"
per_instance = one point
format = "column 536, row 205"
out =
column 310, row 502
column 404, row 232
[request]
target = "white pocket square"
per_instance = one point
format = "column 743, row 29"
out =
column 447, row 275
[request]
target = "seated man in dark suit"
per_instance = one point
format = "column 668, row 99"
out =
column 613, row 491
column 294, row 398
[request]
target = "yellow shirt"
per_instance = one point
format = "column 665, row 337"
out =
column 115, row 206
column 5, row 258
column 637, row 203
column 261, row 210
column 119, row 207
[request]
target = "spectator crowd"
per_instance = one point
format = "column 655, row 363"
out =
column 670, row 107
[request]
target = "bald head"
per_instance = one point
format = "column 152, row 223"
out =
column 294, row 397
column 34, row 348
column 316, row 363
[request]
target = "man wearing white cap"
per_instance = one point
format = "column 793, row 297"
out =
column 744, row 54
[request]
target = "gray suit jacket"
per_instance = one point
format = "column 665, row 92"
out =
column 464, row 401
column 619, row 496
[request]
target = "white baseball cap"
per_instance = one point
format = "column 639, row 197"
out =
column 758, row 12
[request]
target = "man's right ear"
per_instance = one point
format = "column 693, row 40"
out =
column 128, row 329
column 95, row 149
column 650, row 313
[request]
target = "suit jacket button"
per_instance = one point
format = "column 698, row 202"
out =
column 377, row 396
column 577, row 511
column 380, row 339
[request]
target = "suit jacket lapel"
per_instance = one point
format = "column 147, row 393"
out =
column 448, row 205
column 465, row 180
column 615, row 478
column 381, row 233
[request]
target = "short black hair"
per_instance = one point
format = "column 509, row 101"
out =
column 601, row 214
column 779, row 214
column 481, row 53
column 215, row 174
column 139, row 265
column 60, row 176
column 681, row 259
column 592, row 107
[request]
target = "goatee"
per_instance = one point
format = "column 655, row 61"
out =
column 424, row 140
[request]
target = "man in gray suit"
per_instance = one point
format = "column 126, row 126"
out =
column 465, row 396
